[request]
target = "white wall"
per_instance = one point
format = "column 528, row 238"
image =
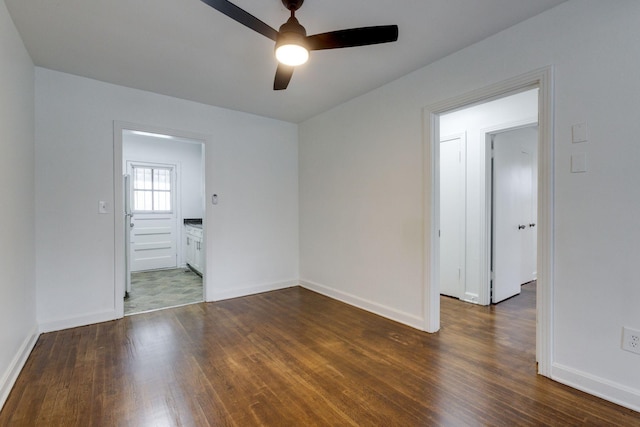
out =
column 474, row 122
column 251, row 163
column 188, row 156
column 361, row 194
column 18, row 328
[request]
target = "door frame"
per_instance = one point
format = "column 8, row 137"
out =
column 543, row 80
column 118, row 190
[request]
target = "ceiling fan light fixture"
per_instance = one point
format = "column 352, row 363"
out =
column 292, row 54
column 291, row 46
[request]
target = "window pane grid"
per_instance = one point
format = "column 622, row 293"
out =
column 162, row 200
column 151, row 189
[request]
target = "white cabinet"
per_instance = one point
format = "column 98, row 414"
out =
column 194, row 248
column 198, row 259
column 190, row 248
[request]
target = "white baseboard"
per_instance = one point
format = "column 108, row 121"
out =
column 373, row 307
column 219, row 295
column 108, row 315
column 471, row 298
column 74, row 322
column 11, row 374
column 600, row 387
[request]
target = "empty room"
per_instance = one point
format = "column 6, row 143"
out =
column 318, row 191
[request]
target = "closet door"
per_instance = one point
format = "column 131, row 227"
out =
column 452, row 217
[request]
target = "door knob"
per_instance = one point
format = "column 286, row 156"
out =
column 521, row 227
column 532, row 225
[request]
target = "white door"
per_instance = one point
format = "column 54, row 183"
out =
column 530, row 205
column 153, row 242
column 513, row 211
column 452, row 217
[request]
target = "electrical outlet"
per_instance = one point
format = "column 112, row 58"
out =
column 631, row 340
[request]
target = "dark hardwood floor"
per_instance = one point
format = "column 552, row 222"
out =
column 296, row 358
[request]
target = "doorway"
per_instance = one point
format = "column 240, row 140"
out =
column 163, row 199
column 542, row 80
column 467, row 231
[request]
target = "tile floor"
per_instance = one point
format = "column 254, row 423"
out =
column 152, row 290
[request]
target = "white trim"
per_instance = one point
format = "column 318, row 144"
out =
column 600, row 387
column 431, row 224
column 119, row 255
column 15, row 367
column 470, row 297
column 370, row 306
column 119, row 265
column 545, row 238
column 251, row 290
column 543, row 79
column 74, row 322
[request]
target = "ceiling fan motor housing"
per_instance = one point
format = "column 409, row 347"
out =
column 291, row 32
column 292, row 4
column 293, row 26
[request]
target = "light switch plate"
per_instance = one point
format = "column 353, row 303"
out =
column 579, row 133
column 102, row 207
column 578, row 163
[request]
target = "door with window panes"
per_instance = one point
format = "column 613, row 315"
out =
column 154, row 233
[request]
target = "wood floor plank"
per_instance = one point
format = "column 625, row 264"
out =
column 294, row 357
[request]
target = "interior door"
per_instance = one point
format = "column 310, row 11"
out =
column 153, row 242
column 154, row 232
column 513, row 223
column 529, row 205
column 452, row 217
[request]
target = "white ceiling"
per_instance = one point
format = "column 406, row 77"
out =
column 186, row 49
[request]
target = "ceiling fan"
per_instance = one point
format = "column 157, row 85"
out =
column 293, row 44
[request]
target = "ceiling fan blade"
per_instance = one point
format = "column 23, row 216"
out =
column 283, row 77
column 353, row 37
column 243, row 17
